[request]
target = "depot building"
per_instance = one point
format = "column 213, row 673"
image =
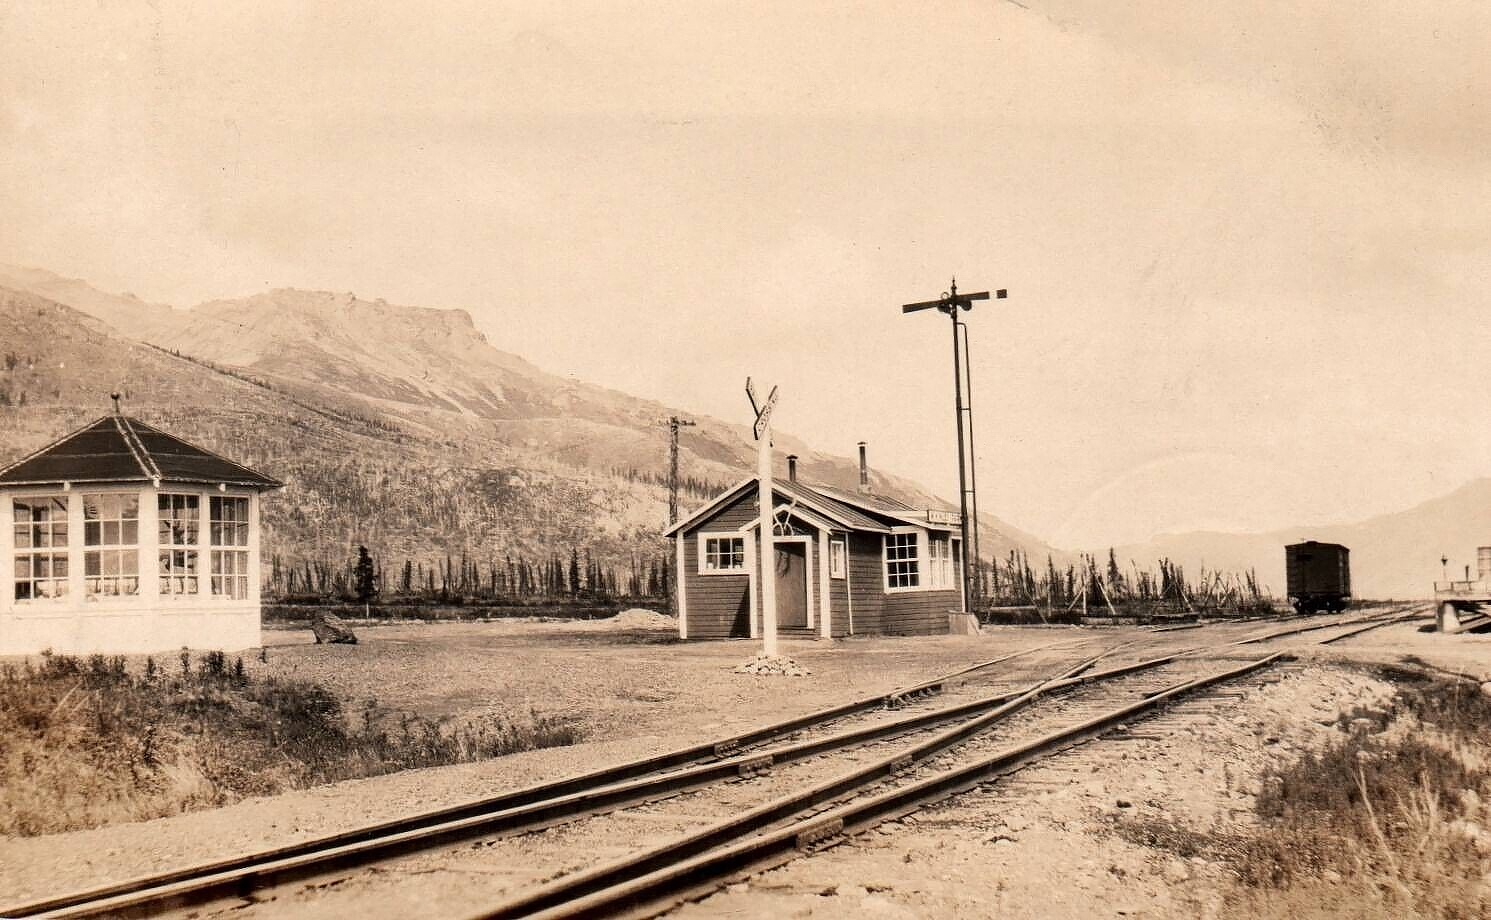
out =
column 845, row 563
column 122, row 538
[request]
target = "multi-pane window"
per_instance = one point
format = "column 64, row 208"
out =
column 180, row 523
column 230, row 539
column 723, row 554
column 111, row 540
column 902, row 569
column 40, row 546
column 940, row 561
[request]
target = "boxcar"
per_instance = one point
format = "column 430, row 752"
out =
column 1318, row 575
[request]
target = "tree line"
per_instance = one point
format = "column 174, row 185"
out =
column 1013, row 582
column 464, row 579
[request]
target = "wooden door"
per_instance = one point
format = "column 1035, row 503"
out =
column 792, row 584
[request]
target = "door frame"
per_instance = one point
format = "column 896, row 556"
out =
column 807, row 555
column 758, row 570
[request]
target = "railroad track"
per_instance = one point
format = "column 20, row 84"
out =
column 920, row 733
column 525, row 809
column 948, row 762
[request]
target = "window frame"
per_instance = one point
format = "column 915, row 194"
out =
column 220, row 552
column 52, row 551
column 838, row 557
column 119, row 550
column 704, row 539
column 918, row 544
column 167, row 549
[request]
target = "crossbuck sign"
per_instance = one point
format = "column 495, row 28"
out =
column 763, row 412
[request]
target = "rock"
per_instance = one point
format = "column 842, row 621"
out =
column 328, row 628
column 1486, row 688
column 774, row 667
column 1332, row 876
column 1124, row 803
column 1176, row 871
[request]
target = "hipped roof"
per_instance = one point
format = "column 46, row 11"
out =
column 117, row 448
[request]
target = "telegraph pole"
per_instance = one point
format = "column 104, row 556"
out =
column 674, row 423
column 950, row 302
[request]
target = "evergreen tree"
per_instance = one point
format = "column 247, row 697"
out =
column 365, row 577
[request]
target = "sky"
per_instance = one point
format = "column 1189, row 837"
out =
column 1246, row 244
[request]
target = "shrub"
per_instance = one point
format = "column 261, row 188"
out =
column 85, row 742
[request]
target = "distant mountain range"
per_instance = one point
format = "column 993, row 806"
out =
column 399, row 427
column 1392, row 555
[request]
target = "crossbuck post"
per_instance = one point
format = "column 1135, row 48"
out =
column 768, row 557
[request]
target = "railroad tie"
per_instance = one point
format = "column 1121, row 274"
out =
column 755, row 766
column 820, row 832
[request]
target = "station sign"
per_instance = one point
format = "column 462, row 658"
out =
column 935, row 516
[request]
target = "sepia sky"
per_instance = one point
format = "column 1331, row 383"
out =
column 1247, row 244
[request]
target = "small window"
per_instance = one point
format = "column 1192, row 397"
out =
column 722, row 554
column 838, row 556
column 902, row 567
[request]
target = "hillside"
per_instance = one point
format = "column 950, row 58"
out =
column 1392, row 555
column 349, row 478
column 399, row 427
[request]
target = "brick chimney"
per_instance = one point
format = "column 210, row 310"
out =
column 864, row 469
column 792, row 467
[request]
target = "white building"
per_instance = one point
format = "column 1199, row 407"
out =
column 122, row 538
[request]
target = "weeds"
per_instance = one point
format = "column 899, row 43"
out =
column 85, row 742
column 1389, row 821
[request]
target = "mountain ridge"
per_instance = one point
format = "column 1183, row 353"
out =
column 429, row 375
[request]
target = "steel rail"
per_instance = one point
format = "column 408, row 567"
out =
column 525, row 808
column 147, row 899
column 703, row 858
column 1413, row 615
column 585, row 882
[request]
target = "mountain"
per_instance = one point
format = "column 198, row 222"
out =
column 400, row 427
column 1392, row 555
column 120, row 311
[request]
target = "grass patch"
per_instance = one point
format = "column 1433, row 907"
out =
column 1390, row 821
column 86, row 742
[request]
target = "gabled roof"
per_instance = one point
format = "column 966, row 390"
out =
column 117, row 448
column 884, row 504
column 813, row 498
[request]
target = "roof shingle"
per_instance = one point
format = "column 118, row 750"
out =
column 116, row 448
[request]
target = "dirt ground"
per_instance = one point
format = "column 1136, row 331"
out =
column 1037, row 845
column 635, row 692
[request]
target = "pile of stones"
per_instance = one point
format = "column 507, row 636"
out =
column 773, row 666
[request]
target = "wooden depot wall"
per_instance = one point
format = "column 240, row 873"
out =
column 720, row 606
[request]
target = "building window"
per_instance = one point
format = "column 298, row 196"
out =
column 722, row 554
column 230, row 540
column 901, row 565
column 940, row 561
column 40, row 546
column 180, row 523
column 837, row 558
column 111, row 535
